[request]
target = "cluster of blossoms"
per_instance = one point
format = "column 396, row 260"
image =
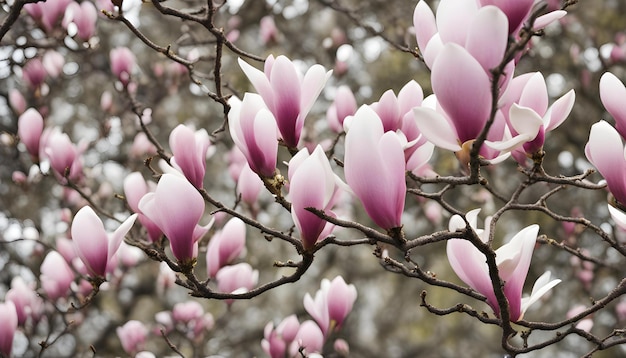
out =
column 330, row 307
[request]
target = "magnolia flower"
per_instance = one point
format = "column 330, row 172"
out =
column 122, row 63
column 94, row 246
column 463, row 90
column 29, row 129
column 606, row 152
column 237, row 278
column 47, row 13
column 176, row 207
column 332, row 304
column 132, row 335
column 512, row 259
column 344, row 105
column 33, row 73
column 27, row 302
column 56, row 276
column 190, row 150
column 287, row 94
column 225, row 245
column 253, row 129
column 8, row 317
column 63, row 155
column 374, row 168
column 529, row 117
column 17, row 101
column 613, row 95
column 312, row 185
column 392, row 110
column 135, row 187
column 277, row 340
column 84, row 16
column 249, row 185
column 268, row 32
column 482, row 32
column 309, row 338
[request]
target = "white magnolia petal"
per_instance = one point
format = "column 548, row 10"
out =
column 436, row 128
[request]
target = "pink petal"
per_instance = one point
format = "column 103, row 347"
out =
column 388, row 111
column 559, row 110
column 487, row 37
column 454, row 18
column 613, row 96
column 606, row 152
column 424, row 23
column 286, row 82
column 29, row 129
column 547, row 19
column 470, row 265
column 535, row 94
column 410, row 96
column 307, row 189
column 463, row 90
column 260, row 81
column 176, row 207
column 383, row 163
column 90, row 240
column 515, row 10
column 436, row 128
column 135, row 188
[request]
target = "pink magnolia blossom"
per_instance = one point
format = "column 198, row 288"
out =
column 56, row 276
column 191, row 318
column 332, row 304
column 95, row 247
column 525, row 107
column 268, row 32
column 84, row 16
column 132, row 335
column 176, row 208
column 375, row 168
column 392, row 109
column 312, row 184
column 463, row 91
column 344, row 105
column 309, row 338
column 142, row 146
column 190, row 150
column 27, row 302
column 63, row 155
column 17, row 101
column 253, row 129
column 48, row 13
column 237, row 278
column 613, row 95
column 34, row 73
column 276, row 341
column 606, row 152
column 135, row 187
column 482, row 32
column 287, row 94
column 225, row 246
column 249, row 185
column 512, row 259
column 29, row 129
column 122, row 63
column 8, row 317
